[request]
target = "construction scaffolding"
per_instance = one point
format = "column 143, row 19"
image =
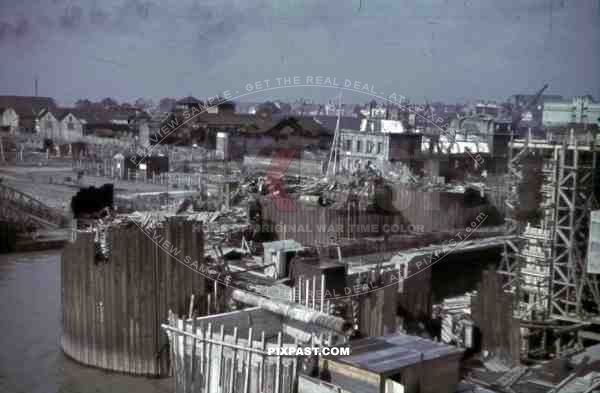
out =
column 550, row 201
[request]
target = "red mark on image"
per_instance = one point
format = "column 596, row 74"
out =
column 275, row 172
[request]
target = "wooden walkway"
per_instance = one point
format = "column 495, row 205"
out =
column 23, row 209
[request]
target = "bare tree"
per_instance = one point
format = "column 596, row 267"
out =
column 109, row 102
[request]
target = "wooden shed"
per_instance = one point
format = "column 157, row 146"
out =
column 382, row 364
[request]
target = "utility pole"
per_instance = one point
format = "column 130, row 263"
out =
column 333, row 154
column 168, row 180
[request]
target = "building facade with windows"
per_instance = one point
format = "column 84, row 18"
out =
column 60, row 124
column 49, row 125
column 71, row 126
column 377, row 141
column 580, row 110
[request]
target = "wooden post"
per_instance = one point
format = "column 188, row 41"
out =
column 209, row 363
column 181, row 342
column 202, row 357
column 307, row 292
column 314, row 294
column 248, row 362
column 261, row 366
column 322, row 291
column 191, row 311
column 295, row 369
column 278, row 365
column 220, row 358
column 233, row 360
column 216, row 296
column 193, row 359
column 173, row 350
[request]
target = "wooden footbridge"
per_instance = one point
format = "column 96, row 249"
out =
column 27, row 212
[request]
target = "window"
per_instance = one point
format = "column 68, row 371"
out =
column 48, row 125
column 70, row 125
column 358, row 146
column 379, row 147
column 348, row 144
column 370, row 147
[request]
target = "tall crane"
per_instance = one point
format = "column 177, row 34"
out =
column 518, row 114
column 333, row 153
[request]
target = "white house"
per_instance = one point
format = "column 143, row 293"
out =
column 375, row 112
column 60, row 124
column 71, row 127
column 49, row 125
column 382, row 125
column 28, row 110
column 9, row 120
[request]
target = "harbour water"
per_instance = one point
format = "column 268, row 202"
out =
column 31, row 360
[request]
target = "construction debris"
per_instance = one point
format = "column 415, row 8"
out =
column 457, row 325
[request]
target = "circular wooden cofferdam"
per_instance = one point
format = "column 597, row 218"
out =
column 116, row 293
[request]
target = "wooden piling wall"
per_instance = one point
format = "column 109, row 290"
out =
column 419, row 212
column 492, row 311
column 112, row 309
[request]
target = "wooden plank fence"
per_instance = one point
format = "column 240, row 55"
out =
column 211, row 359
column 107, row 168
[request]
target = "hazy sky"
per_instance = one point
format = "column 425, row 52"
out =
column 435, row 49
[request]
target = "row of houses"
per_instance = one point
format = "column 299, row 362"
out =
column 193, row 122
column 42, row 116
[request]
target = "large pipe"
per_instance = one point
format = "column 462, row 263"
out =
column 294, row 311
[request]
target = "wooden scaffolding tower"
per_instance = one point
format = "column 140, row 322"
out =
column 546, row 266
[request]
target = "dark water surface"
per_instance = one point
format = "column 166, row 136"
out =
column 31, row 360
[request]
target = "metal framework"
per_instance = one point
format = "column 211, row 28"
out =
column 546, row 265
column 21, row 208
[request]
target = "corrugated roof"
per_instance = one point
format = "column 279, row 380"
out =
column 283, row 245
column 388, row 354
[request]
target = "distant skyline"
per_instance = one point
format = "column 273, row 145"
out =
column 440, row 50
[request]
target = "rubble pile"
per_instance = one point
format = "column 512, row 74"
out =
column 224, row 226
column 457, row 325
